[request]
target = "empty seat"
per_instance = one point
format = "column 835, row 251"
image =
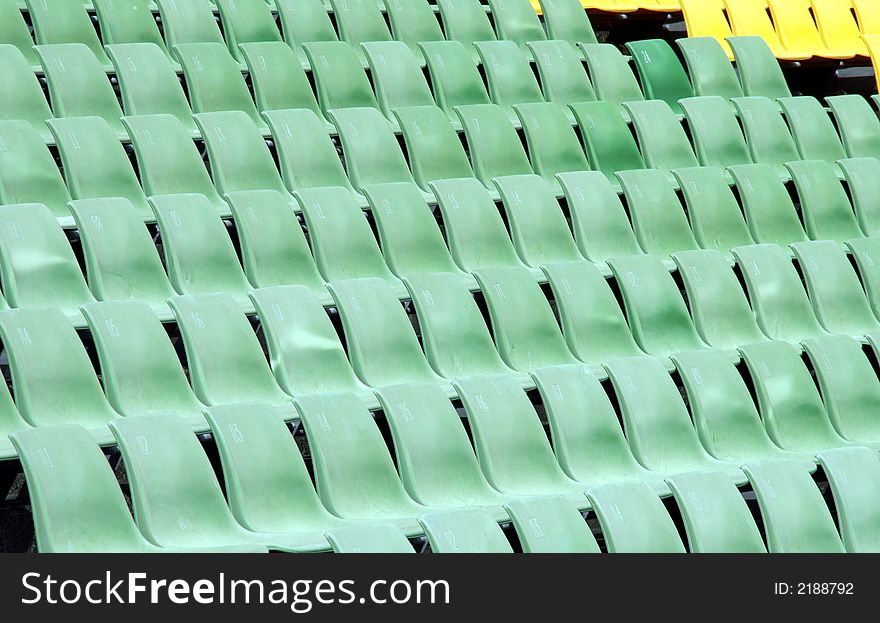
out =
column 854, row 475
column 609, row 142
column 340, row 81
column 28, row 173
column 246, row 21
column 550, row 524
column 661, row 75
column 121, row 260
column 707, row 19
column 189, row 22
column 811, row 127
column 465, row 21
column 127, row 22
column 303, row 21
column 758, row 69
column 867, row 14
column 751, row 18
column 455, row 80
column 634, row 520
column 508, row 73
column 768, row 137
column 14, row 31
column 713, row 211
column 23, row 98
column 494, row 146
column 464, row 531
column 413, row 22
column 662, row 140
column 61, row 22
column 657, row 215
column 553, row 145
column 359, row 21
column 612, row 78
column 865, row 253
column 715, row 131
column 857, row 124
column 711, row 72
column 563, row 77
column 397, row 78
column 768, row 208
column 862, row 177
column 796, row 24
column 825, row 207
column 516, row 20
column 433, row 148
column 567, row 20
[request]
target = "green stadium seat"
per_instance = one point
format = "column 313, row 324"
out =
column 710, row 71
column 592, row 322
column 713, row 211
column 812, row 129
column 862, row 177
column 23, row 97
column 340, row 80
column 634, row 520
column 148, row 83
column 369, row 539
column 14, row 31
column 768, row 137
column 397, row 77
column 655, row 309
column 537, row 224
column 609, row 142
column 796, row 519
column 95, row 163
column 358, row 21
column 788, row 400
column 516, row 20
column 128, row 22
column 304, row 21
column 465, row 21
column 175, row 494
column 768, row 208
column 413, row 21
column 550, row 525
column 454, row 336
column 715, row 131
column 467, row 531
column 716, row 300
column 612, row 77
column 78, row 85
column 854, row 475
column 38, row 267
column 188, row 22
column 601, row 227
column 387, row 357
column 865, row 252
column 716, row 517
column 567, row 20
column 53, row 381
column 553, row 145
column 563, row 77
column 660, row 72
column 658, row 218
column 825, row 207
column 475, row 232
column 28, row 173
column 246, row 21
column 508, row 73
column 62, row 22
column 455, row 80
column 168, row 162
column 433, row 148
column 306, row 355
column 199, row 255
column 121, row 260
column 757, row 67
column 214, row 81
column 662, row 139
column 272, row 245
column 857, row 124
column 342, row 242
column 526, row 333
column 494, row 146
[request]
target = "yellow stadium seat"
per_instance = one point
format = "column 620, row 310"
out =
column 797, row 30
column 705, row 18
column 873, row 43
column 750, row 17
column 868, row 14
column 838, row 27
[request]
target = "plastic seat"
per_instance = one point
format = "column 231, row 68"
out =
column 707, row 19
column 214, row 81
column 516, row 20
column 397, row 77
column 715, row 131
column 592, row 322
column 838, row 27
column 23, row 98
column 95, row 163
column 769, row 139
column 508, row 73
column 354, row 473
column 768, row 208
column 634, row 520
column 62, row 22
column 273, row 248
column 662, row 139
column 465, row 21
column 758, row 69
column 494, row 146
column 868, row 16
column 813, row 132
column 657, row 216
column 862, row 177
column 340, row 80
column 526, row 333
column 854, row 476
column 552, row 143
column 716, row 517
column 455, row 80
column 28, row 173
column 385, row 357
column 175, row 494
column 369, row 539
column 796, row 519
column 14, row 31
column 790, row 405
column 717, row 303
column 121, row 260
column 865, row 252
column 826, row 210
column 304, row 21
column 413, row 22
column 372, row 153
column 38, row 267
column 566, row 20
column 713, row 211
column 563, row 77
column 53, row 381
column 239, row 157
column 358, row 21
column 661, row 75
column 78, row 85
column 612, row 77
column 751, row 18
column 537, row 225
column 795, row 22
column 199, row 255
column 475, row 233
column 277, row 81
column 10, row 423
column 246, row 21
column 168, row 161
column 550, row 524
column 188, row 22
column 609, row 142
column 464, row 532
column 433, row 148
column 857, row 124
column 148, row 82
column 657, row 315
column 307, row 156
column 127, row 22
column 411, row 241
column 306, row 354
column 342, row 242
column 709, row 68
column 510, row 442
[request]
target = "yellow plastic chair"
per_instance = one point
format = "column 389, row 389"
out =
column 873, row 43
column 868, row 14
column 750, row 17
column 838, row 27
column 797, row 30
column 705, row 18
